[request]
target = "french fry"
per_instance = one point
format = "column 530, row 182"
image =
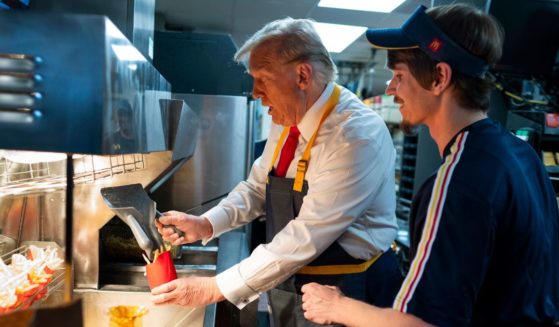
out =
column 156, row 253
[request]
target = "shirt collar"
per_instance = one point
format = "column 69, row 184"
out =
column 308, row 124
column 478, row 123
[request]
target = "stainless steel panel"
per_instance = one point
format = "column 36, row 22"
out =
column 182, row 131
column 222, row 153
column 97, row 303
column 32, row 199
column 193, row 260
column 91, row 213
column 89, row 70
column 33, row 184
column 142, row 25
column 135, row 18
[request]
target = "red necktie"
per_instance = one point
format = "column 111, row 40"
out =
column 288, row 151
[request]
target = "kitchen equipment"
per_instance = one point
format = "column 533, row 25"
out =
column 132, row 204
column 223, row 154
column 44, row 111
column 117, row 98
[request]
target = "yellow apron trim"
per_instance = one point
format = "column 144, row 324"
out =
column 338, row 269
column 277, row 149
column 302, row 164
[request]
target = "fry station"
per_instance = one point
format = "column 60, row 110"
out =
column 89, row 131
column 279, row 163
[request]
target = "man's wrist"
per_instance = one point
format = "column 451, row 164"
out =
column 342, row 308
column 207, row 228
column 217, row 295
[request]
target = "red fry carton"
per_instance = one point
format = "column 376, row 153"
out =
column 161, row 271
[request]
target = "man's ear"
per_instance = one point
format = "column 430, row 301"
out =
column 304, row 75
column 442, row 78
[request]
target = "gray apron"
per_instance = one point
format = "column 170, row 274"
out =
column 376, row 284
column 282, row 205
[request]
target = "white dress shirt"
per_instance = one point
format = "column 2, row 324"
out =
column 351, row 198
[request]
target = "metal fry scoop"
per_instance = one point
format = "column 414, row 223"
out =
column 132, row 204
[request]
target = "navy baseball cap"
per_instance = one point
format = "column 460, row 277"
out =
column 420, row 31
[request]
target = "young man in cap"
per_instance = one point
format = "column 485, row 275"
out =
column 484, row 228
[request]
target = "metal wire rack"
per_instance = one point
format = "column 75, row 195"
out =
column 24, row 178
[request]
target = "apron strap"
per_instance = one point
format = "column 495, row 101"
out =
column 339, row 269
column 277, row 149
column 302, row 164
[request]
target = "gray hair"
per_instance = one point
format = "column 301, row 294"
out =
column 297, row 41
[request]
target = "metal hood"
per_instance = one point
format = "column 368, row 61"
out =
column 75, row 84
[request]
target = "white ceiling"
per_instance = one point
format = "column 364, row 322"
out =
column 241, row 18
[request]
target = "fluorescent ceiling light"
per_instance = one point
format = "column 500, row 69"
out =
column 362, row 5
column 338, row 37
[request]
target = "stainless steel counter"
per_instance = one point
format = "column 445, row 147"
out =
column 97, row 302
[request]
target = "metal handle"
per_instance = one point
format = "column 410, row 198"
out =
column 18, row 115
column 17, row 100
column 20, row 82
column 178, row 231
column 18, row 62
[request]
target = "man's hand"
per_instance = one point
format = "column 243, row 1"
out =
column 320, row 303
column 194, row 227
column 188, row 292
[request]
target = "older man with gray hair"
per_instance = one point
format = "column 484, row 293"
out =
column 329, row 213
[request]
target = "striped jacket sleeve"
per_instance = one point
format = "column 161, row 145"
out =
column 447, row 269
